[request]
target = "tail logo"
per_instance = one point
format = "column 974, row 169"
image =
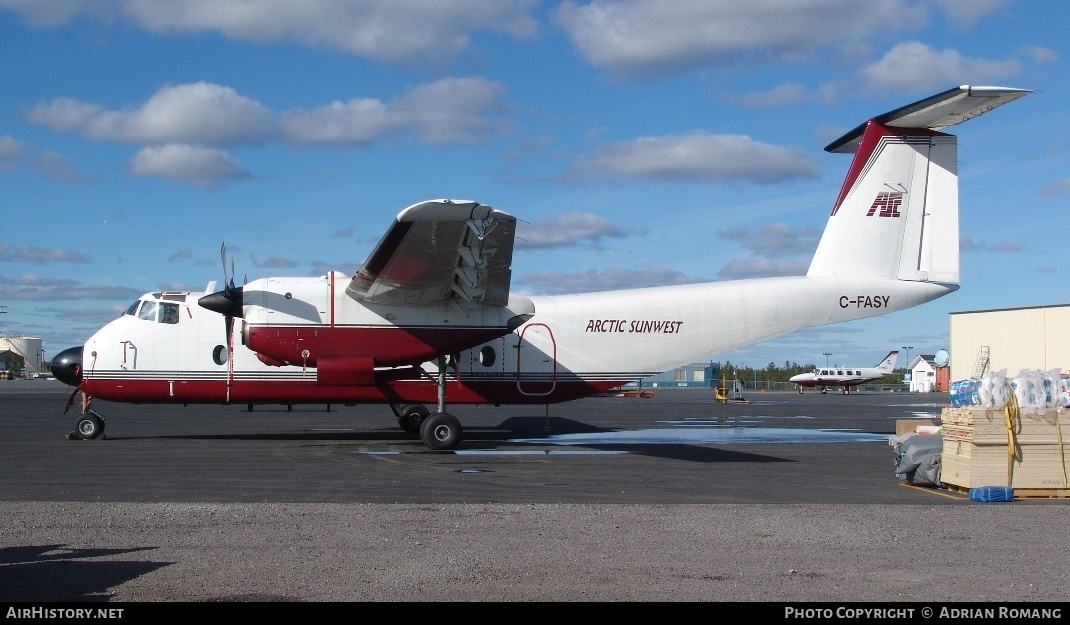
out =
column 888, row 203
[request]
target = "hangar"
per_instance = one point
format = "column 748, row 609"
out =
column 1035, row 337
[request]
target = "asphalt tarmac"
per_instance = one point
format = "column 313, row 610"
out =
column 677, row 497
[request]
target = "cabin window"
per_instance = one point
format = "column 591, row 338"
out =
column 219, row 355
column 168, row 313
column 839, row 372
column 148, row 311
column 824, row 372
column 486, row 356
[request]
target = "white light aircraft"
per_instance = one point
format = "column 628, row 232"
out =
column 430, row 317
column 845, row 377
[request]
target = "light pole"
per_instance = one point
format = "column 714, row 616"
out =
column 908, row 348
column 826, row 355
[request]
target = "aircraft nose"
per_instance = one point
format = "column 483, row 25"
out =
column 67, row 366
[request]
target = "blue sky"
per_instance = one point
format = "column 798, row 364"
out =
column 639, row 142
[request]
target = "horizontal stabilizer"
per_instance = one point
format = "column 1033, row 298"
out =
column 937, row 112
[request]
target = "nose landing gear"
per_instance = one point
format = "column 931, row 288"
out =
column 89, row 425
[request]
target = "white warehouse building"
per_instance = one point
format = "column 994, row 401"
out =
column 1036, row 337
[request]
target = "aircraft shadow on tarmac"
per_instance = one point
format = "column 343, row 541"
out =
column 512, row 436
column 57, row 573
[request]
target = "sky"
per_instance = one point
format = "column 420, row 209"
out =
column 639, row 143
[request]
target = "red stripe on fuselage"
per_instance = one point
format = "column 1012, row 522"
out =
column 387, row 345
column 302, row 392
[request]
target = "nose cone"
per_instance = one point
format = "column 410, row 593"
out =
column 67, row 366
column 227, row 302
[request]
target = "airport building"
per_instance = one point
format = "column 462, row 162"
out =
column 694, row 375
column 926, row 376
column 1015, row 339
column 21, row 353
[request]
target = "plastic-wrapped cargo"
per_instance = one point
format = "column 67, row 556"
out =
column 992, row 493
column 964, row 393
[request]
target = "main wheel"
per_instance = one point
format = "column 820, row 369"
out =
column 89, row 426
column 800, row 390
column 412, row 415
column 441, row 431
column 824, row 390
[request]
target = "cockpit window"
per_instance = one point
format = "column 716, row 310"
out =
column 133, row 308
column 168, row 313
column 148, row 311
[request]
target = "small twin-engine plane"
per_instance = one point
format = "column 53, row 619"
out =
column 430, row 317
column 845, row 377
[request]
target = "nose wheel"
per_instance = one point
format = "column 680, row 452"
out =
column 88, row 426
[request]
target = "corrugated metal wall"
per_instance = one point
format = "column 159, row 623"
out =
column 1016, row 338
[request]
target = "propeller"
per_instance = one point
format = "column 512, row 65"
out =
column 228, row 303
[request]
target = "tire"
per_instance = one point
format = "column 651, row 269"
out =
column 88, row 427
column 800, row 390
column 824, row 391
column 441, row 431
column 412, row 416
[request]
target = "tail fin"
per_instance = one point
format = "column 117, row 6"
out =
column 897, row 212
column 888, row 364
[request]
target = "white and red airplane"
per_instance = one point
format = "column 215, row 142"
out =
column 430, row 317
column 845, row 377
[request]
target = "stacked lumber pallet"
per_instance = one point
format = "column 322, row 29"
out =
column 996, row 447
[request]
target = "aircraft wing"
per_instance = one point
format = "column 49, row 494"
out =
column 437, row 251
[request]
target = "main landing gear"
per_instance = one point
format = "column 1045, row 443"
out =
column 439, row 431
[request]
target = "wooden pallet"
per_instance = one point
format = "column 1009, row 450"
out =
column 1023, row 493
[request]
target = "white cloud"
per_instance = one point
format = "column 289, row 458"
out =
column 56, row 166
column 785, row 94
column 639, row 38
column 1055, row 190
column 964, row 15
column 34, row 288
column 966, row 244
column 445, row 111
column 201, row 167
column 40, row 255
column 559, row 283
column 697, row 157
column 569, row 230
column 763, row 268
column 913, row 66
column 199, row 112
column 12, row 152
column 776, row 239
column 399, row 31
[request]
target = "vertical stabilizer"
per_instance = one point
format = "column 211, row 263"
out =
column 888, row 364
column 897, row 214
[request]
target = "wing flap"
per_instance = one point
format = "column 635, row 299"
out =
column 440, row 251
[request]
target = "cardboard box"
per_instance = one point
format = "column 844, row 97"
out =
column 903, row 426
